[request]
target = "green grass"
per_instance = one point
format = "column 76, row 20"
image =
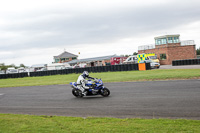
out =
column 106, row 77
column 12, row 123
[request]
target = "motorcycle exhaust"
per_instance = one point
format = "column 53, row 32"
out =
column 74, row 87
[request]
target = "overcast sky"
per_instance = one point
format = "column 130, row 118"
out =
column 33, row 31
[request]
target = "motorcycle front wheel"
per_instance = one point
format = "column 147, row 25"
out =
column 77, row 93
column 105, row 92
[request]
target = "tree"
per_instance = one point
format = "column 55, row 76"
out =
column 126, row 55
column 135, row 53
column 2, row 64
column 198, row 51
column 12, row 65
column 21, row 65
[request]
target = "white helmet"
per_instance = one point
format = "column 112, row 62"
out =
column 85, row 74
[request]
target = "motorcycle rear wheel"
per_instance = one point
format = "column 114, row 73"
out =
column 77, row 93
column 105, row 92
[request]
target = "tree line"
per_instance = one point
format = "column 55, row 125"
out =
column 5, row 67
column 198, row 51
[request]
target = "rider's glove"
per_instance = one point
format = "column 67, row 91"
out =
column 96, row 80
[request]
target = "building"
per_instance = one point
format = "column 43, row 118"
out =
column 65, row 57
column 96, row 61
column 169, row 48
column 37, row 67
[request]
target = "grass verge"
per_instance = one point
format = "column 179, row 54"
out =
column 149, row 75
column 58, row 124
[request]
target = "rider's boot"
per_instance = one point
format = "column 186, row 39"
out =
column 84, row 93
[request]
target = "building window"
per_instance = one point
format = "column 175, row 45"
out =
column 56, row 60
column 161, row 41
column 163, row 56
column 73, row 58
column 66, row 58
column 158, row 41
column 62, row 59
column 170, row 40
column 173, row 39
column 176, row 39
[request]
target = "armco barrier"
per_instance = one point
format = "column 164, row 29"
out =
column 112, row 68
column 186, row 62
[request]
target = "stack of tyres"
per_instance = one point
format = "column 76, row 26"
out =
column 98, row 68
column 126, row 67
column 101, row 69
column 180, row 62
column 78, row 70
column 135, row 66
column 112, row 68
column 70, row 70
column 198, row 61
column 55, row 72
column 121, row 67
column 117, row 67
column 92, row 69
column 195, row 62
column 192, row 61
column 3, row 76
column 129, row 67
column 86, row 69
column 65, row 71
column 89, row 69
column 148, row 66
column 187, row 62
column 104, row 69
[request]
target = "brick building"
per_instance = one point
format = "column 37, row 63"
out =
column 169, row 48
column 64, row 57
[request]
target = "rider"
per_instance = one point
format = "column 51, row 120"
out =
column 82, row 81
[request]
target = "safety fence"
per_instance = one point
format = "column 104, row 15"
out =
column 13, row 75
column 111, row 68
column 186, row 62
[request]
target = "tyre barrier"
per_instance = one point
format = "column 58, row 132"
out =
column 186, row 62
column 13, row 75
column 111, row 68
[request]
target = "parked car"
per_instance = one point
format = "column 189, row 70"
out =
column 21, row 70
column 131, row 59
column 11, row 70
column 2, row 72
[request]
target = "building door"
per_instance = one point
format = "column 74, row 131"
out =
column 92, row 64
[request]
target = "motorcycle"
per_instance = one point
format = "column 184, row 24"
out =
column 95, row 88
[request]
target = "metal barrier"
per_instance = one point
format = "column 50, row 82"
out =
column 186, row 62
column 112, row 68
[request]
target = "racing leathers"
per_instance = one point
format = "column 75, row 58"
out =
column 81, row 83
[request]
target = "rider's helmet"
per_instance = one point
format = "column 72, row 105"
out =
column 85, row 74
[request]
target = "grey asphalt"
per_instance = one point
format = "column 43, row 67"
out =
column 149, row 99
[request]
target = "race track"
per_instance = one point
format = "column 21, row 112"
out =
column 149, row 99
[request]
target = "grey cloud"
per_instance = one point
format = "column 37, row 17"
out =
column 74, row 28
